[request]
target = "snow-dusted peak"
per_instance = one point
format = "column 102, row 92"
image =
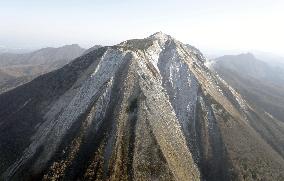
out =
column 159, row 35
column 160, row 38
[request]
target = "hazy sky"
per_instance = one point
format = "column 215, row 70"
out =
column 207, row 24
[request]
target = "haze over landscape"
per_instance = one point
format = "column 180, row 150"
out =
column 212, row 26
column 141, row 90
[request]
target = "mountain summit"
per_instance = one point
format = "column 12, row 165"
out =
column 145, row 109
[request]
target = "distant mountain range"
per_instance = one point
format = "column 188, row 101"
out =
column 42, row 56
column 144, row 109
column 270, row 58
column 259, row 82
column 17, row 69
column 3, row 49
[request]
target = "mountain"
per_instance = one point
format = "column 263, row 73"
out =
column 5, row 76
column 145, row 109
column 257, row 81
column 3, row 49
column 22, row 68
column 251, row 67
column 42, row 56
column 92, row 49
column 270, row 58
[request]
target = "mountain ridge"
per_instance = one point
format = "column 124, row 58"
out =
column 22, row 68
column 150, row 102
column 259, row 82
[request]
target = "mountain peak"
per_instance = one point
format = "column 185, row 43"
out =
column 156, row 40
column 159, row 34
column 247, row 55
column 71, row 45
column 146, row 109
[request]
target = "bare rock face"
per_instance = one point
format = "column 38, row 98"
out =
column 145, row 109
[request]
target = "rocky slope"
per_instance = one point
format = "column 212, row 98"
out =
column 145, row 109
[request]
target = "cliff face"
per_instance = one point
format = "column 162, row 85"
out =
column 145, row 109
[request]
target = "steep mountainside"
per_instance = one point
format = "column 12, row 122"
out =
column 145, row 109
column 257, row 81
column 22, row 68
